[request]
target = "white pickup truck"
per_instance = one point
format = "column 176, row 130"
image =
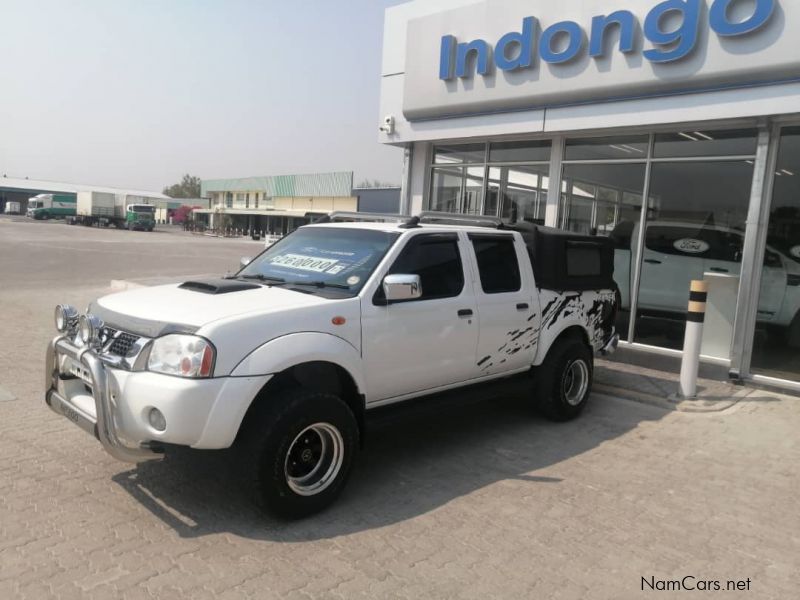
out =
column 677, row 252
column 286, row 356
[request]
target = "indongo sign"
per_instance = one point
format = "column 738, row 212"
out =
column 530, row 54
column 566, row 40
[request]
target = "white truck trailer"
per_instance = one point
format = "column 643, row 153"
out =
column 13, row 208
column 124, row 211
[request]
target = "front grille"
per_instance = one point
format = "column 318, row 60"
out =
column 122, row 341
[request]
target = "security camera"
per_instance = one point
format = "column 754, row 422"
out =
column 388, row 125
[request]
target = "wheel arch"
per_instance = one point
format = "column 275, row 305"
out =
column 317, row 376
column 567, row 330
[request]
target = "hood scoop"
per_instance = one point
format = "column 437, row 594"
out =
column 218, row 286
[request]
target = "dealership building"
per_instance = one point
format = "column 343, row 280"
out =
column 679, row 119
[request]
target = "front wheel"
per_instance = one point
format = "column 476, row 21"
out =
column 563, row 382
column 301, row 447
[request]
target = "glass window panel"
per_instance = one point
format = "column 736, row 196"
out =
column 689, row 143
column 776, row 348
column 459, row 153
column 497, row 264
column 602, row 148
column 437, row 261
column 492, row 204
column 446, row 189
column 606, row 200
column 473, row 189
column 595, row 199
column 696, row 219
column 525, row 151
column 522, row 192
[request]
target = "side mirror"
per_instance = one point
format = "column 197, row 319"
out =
column 244, row 261
column 402, row 287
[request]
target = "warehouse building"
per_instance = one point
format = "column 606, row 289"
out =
column 21, row 190
column 616, row 117
column 275, row 204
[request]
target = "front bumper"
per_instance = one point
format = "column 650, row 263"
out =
column 113, row 404
column 75, row 407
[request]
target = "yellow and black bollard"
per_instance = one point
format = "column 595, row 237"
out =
column 695, row 317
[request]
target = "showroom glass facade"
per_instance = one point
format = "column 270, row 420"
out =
column 776, row 342
column 698, row 183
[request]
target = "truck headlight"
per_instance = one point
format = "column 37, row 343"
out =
column 182, row 355
column 89, row 327
column 66, row 317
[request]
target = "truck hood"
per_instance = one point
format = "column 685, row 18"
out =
column 154, row 311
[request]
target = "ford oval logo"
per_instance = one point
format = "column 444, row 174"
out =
column 691, row 246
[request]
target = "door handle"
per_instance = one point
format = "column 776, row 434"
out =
column 522, row 306
column 465, row 312
column 718, row 270
column 652, row 261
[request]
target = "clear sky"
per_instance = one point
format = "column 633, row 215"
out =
column 134, row 93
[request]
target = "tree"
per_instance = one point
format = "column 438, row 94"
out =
column 375, row 183
column 189, row 187
column 183, row 213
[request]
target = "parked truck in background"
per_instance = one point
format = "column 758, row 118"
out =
column 13, row 208
column 676, row 252
column 49, row 206
column 124, row 211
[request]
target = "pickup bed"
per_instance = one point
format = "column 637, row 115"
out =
column 335, row 319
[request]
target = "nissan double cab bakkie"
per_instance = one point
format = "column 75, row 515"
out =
column 341, row 317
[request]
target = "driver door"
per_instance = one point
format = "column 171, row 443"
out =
column 429, row 342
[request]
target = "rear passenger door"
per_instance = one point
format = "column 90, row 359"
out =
column 509, row 323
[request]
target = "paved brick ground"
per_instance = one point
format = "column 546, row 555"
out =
column 483, row 501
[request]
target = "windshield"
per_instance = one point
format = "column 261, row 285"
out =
column 323, row 257
column 142, row 208
column 33, row 203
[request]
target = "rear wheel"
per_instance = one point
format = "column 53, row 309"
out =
column 301, row 447
column 563, row 382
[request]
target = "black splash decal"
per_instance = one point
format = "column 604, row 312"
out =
column 484, row 359
column 520, row 334
column 549, row 304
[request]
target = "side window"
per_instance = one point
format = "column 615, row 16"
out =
column 724, row 245
column 437, row 261
column 497, row 264
column 680, row 241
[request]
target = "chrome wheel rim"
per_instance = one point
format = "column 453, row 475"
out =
column 314, row 459
column 575, row 382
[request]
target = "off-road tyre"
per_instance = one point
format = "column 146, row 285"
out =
column 556, row 394
column 271, row 440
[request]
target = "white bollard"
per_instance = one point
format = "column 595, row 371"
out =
column 693, row 338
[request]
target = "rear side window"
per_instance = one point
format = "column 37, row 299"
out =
column 497, row 264
column 437, row 261
column 584, row 260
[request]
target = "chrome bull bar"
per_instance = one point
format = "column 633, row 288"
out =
column 102, row 426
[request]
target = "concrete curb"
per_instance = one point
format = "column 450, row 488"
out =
column 699, row 405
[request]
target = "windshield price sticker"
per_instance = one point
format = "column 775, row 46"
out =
column 304, row 263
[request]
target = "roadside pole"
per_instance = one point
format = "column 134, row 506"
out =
column 695, row 317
